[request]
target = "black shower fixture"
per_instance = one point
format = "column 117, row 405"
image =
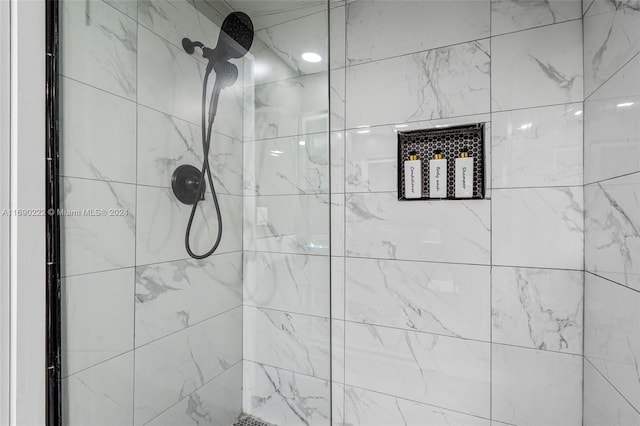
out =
column 187, row 182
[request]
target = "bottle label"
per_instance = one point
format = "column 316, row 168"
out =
column 464, row 177
column 413, row 179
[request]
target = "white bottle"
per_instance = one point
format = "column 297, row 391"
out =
column 464, row 175
column 413, row 176
column 438, row 176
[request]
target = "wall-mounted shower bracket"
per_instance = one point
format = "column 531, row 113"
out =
column 185, row 182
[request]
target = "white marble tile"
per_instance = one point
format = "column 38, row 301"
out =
column 438, row 298
column 176, row 19
column 382, row 29
column 175, row 295
column 100, row 395
column 163, row 222
column 267, row 14
column 91, row 240
column 612, row 236
column 217, row 403
column 378, row 225
column 337, row 224
column 98, row 46
column 537, row 147
column 603, row 405
column 128, row 7
column 290, row 107
column 337, row 404
column 538, row 308
column 597, row 7
column 92, row 146
column 513, row 15
column 338, row 342
column 525, row 221
column 171, row 81
column 283, row 397
column 371, row 153
column 611, row 38
column 262, row 65
column 287, row 282
column 286, row 340
column 612, row 126
column 337, row 98
column 287, row 224
column 337, row 37
column 97, row 318
column 291, row 165
column 171, row 368
column 531, row 387
column 364, row 407
column 444, row 371
column 612, row 339
column 336, row 154
column 446, row 82
column 337, row 287
column 537, row 67
column 586, row 5
column 288, row 40
column 166, row 142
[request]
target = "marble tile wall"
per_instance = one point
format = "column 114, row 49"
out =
column 612, row 208
column 458, row 312
column 286, row 219
column 150, row 336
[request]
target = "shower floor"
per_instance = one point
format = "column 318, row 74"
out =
column 245, row 420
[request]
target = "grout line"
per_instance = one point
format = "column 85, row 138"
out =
column 612, row 281
column 152, row 186
column 611, row 384
column 537, row 27
column 622, row 67
column 469, row 41
column 415, row 401
column 438, row 262
column 133, row 349
column 292, row 136
column 612, row 178
column 286, row 311
column 196, row 390
column 295, row 77
column 467, row 199
column 234, row 138
column 189, row 327
column 134, row 266
column 314, row 194
column 467, row 339
column 489, row 112
column 287, row 370
column 584, row 12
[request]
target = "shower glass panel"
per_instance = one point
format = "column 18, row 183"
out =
column 153, row 334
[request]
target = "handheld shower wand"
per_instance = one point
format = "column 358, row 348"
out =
column 188, row 183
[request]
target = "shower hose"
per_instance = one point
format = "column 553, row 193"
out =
column 206, row 169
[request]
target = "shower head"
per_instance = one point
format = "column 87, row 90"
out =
column 234, row 41
column 236, row 36
column 226, row 74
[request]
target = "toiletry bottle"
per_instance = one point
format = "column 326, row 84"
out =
column 464, row 175
column 413, row 176
column 438, row 176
